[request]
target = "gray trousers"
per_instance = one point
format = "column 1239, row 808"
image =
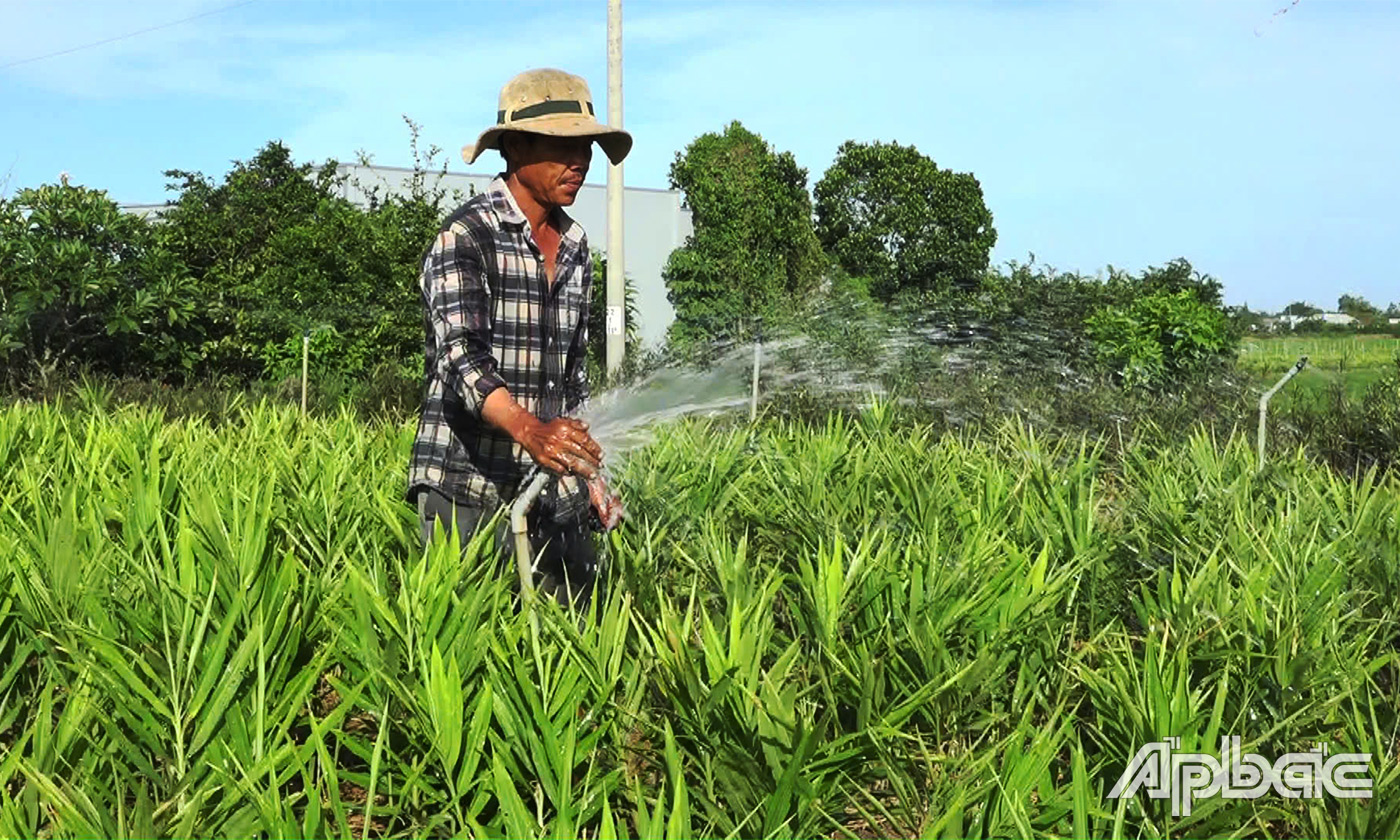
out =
column 567, row 564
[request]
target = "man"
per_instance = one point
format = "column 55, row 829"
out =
column 506, row 287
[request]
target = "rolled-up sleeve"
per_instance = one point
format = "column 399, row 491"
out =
column 457, row 297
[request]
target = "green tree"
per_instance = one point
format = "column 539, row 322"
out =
column 753, row 254
column 261, row 243
column 278, row 251
column 1301, row 309
column 1245, row 319
column 1177, row 276
column 887, row 212
column 82, row 283
column 1359, row 308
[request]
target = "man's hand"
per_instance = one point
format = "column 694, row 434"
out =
column 608, row 505
column 562, row 445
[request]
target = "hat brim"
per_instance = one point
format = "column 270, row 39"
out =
column 615, row 142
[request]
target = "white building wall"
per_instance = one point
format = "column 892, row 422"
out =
column 656, row 224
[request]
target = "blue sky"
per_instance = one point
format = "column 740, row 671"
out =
column 1264, row 148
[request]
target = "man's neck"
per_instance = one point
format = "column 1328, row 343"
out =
column 536, row 213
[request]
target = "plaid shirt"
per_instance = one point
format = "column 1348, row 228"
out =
column 492, row 321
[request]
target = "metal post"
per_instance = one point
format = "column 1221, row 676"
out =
column 753, row 401
column 617, row 313
column 305, row 365
column 1268, row 395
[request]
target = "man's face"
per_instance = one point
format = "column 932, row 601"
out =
column 551, row 168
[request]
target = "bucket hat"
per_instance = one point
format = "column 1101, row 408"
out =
column 551, row 102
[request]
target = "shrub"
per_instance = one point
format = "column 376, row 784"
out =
column 282, row 253
column 1350, row 435
column 1159, row 338
column 82, row 283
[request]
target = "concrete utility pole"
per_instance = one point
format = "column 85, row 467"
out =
column 617, row 313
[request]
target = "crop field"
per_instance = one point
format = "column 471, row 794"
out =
column 1330, row 353
column 853, row 630
column 1354, row 362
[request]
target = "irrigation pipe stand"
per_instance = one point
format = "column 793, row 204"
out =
column 305, row 365
column 1268, row 395
column 306, row 358
column 757, row 354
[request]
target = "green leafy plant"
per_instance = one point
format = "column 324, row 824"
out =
column 1161, row 337
column 852, row 628
column 280, row 251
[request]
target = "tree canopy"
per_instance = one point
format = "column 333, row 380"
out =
column 888, row 213
column 753, row 253
column 80, row 280
column 1301, row 309
column 281, row 252
column 1359, row 308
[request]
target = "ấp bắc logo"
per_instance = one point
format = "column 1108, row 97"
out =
column 1186, row 777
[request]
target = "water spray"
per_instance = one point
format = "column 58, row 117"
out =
column 1268, row 395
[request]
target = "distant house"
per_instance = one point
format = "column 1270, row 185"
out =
column 1291, row 321
column 150, row 212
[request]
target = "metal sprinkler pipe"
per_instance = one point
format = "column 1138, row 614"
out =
column 306, row 335
column 757, row 351
column 305, row 365
column 1268, row 395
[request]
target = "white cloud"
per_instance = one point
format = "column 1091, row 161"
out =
column 447, row 82
column 221, row 54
